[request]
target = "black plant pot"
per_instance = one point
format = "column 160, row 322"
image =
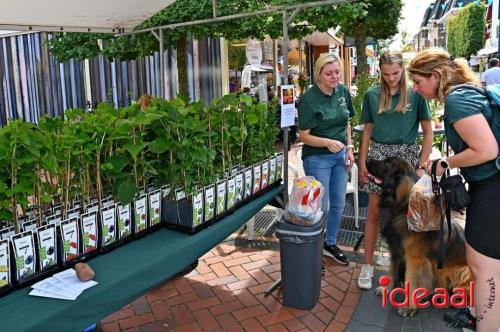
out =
column 178, row 215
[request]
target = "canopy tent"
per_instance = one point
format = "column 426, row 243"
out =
column 111, row 16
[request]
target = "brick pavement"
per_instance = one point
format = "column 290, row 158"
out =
column 226, row 293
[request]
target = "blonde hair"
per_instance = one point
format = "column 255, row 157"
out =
column 323, row 60
column 451, row 71
column 390, row 58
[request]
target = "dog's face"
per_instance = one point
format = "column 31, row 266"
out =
column 396, row 176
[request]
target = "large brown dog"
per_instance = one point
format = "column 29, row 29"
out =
column 414, row 254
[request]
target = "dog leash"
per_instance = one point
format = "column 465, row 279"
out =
column 436, row 190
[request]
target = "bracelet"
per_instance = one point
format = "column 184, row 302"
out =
column 349, row 146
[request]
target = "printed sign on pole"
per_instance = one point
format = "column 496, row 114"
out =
column 287, row 103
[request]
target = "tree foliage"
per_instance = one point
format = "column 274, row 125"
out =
column 372, row 18
column 466, row 31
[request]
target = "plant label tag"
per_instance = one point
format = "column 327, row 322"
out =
column 24, row 254
column 155, row 207
column 265, row 174
column 57, row 209
column 221, row 197
column 89, row 232
column 73, row 213
column 231, row 192
column 54, row 219
column 209, row 202
column 180, row 194
column 4, row 263
column 198, row 208
column 256, row 178
column 29, row 225
column 7, row 233
column 247, row 182
column 279, row 166
column 32, row 212
column 108, row 225
column 272, row 170
column 70, row 237
column 92, row 207
column 47, row 246
column 141, row 212
column 238, row 180
column 108, row 201
column 124, row 221
column 235, row 170
column 76, row 203
column 165, row 191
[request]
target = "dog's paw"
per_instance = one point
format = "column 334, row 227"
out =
column 407, row 312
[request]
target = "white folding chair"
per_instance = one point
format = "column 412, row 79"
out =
column 352, row 188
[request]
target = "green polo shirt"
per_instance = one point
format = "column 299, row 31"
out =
column 326, row 116
column 391, row 127
column 460, row 104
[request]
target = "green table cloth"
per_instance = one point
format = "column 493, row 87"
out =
column 123, row 275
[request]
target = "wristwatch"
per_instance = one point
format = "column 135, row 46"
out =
column 444, row 163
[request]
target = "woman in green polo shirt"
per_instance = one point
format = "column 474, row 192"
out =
column 324, row 113
column 391, row 114
column 434, row 74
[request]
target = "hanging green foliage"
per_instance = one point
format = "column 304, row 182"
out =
column 466, row 31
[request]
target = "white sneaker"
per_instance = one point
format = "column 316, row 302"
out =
column 365, row 277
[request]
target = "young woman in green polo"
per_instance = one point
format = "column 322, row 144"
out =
column 468, row 133
column 391, row 114
column 324, row 113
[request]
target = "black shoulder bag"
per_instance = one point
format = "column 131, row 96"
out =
column 456, row 197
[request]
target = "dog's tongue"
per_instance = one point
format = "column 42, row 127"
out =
column 375, row 179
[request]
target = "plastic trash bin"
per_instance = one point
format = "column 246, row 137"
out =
column 301, row 249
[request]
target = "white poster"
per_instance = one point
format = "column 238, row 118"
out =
column 287, row 105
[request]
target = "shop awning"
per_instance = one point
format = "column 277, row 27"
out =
column 487, row 50
column 77, row 15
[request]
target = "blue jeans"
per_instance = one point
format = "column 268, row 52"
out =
column 331, row 171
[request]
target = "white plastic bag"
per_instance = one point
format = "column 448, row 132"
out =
column 423, row 213
column 304, row 203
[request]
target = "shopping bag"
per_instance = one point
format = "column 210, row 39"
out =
column 423, row 213
column 304, row 203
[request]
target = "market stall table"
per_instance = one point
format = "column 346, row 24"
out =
column 123, row 275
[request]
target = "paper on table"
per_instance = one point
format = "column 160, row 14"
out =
column 41, row 293
column 64, row 285
column 69, row 279
column 53, row 286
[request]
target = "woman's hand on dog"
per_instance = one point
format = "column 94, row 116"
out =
column 420, row 172
column 439, row 168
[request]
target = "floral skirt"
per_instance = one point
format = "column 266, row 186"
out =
column 379, row 151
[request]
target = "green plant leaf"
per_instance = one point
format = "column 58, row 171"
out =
column 118, row 162
column 160, row 144
column 126, row 192
column 134, row 149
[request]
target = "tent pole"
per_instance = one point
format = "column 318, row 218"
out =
column 286, row 129
column 162, row 66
